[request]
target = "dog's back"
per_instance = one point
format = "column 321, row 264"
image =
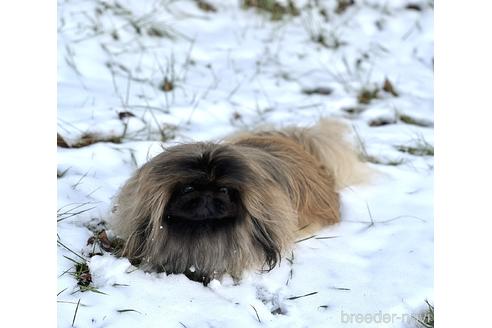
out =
column 327, row 142
column 319, row 157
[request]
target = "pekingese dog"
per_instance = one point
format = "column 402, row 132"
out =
column 206, row 209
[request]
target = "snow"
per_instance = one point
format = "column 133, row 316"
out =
column 236, row 69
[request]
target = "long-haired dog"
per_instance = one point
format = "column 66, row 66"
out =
column 206, row 209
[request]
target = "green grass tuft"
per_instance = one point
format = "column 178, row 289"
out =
column 422, row 148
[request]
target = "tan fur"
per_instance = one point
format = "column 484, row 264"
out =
column 328, row 142
column 293, row 180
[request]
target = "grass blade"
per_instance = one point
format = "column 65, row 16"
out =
column 296, row 297
column 75, row 314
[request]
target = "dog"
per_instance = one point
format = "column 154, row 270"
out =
column 208, row 209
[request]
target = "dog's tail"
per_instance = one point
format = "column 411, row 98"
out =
column 327, row 141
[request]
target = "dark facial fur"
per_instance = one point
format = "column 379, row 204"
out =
column 202, row 201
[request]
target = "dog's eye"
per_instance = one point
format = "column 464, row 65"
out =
column 224, row 190
column 188, row 189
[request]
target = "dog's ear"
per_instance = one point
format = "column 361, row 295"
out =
column 134, row 248
column 265, row 238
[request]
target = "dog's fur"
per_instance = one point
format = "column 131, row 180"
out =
column 264, row 188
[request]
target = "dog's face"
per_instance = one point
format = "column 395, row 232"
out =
column 202, row 203
column 208, row 192
column 204, row 218
column 202, row 211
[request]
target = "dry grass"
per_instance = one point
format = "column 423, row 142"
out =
column 61, row 174
column 407, row 119
column 389, row 88
column 88, row 139
column 426, row 318
column 205, row 6
column 343, row 5
column 420, row 148
column 276, row 9
column 101, row 243
column 367, row 94
column 382, row 121
column 324, row 91
column 366, row 157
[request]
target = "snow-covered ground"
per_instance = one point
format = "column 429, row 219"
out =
column 141, row 74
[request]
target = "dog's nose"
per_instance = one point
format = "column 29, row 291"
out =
column 206, row 208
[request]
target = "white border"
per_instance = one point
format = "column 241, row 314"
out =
column 463, row 97
column 28, row 164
